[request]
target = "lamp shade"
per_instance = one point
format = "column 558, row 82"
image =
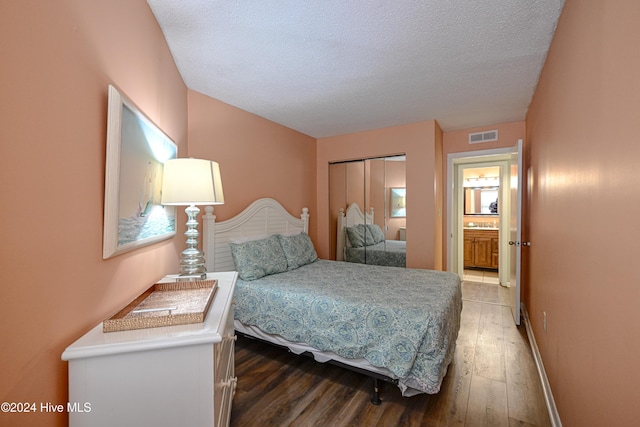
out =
column 191, row 182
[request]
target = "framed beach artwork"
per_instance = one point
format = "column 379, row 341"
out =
column 136, row 152
column 398, row 202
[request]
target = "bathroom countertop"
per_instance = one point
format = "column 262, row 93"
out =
column 482, row 228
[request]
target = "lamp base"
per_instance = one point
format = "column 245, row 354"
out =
column 191, row 277
column 192, row 262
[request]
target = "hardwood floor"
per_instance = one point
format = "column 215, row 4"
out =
column 491, row 382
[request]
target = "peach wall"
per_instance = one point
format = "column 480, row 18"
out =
column 58, row 59
column 583, row 128
column 418, row 142
column 257, row 157
column 458, row 142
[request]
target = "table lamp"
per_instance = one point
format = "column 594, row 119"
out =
column 191, row 182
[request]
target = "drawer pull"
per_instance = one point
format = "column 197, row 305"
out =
column 230, row 382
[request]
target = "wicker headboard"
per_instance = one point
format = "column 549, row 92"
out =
column 262, row 218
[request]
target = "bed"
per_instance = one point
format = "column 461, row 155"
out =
column 395, row 324
column 361, row 240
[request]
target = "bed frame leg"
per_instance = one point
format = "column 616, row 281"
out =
column 375, row 399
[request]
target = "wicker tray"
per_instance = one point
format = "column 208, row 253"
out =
column 165, row 304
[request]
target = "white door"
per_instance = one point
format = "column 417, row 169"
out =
column 515, row 231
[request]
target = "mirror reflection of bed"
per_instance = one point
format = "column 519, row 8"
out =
column 378, row 186
column 360, row 239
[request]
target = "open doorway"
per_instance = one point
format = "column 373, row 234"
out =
column 475, row 211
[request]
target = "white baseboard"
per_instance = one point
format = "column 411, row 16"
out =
column 546, row 388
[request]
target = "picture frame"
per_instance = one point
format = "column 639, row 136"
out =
column 398, row 202
column 136, row 152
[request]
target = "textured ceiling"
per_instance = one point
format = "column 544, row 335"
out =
column 331, row 67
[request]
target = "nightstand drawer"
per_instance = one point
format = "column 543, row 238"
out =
column 225, row 379
column 224, row 410
column 224, row 368
column 224, row 351
column 187, row 371
column 224, row 357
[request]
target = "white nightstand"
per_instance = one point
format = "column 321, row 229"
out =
column 168, row 376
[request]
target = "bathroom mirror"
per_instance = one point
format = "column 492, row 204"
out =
column 481, row 201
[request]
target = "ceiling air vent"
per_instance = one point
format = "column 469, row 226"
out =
column 490, row 135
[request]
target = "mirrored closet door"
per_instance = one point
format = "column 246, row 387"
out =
column 367, row 202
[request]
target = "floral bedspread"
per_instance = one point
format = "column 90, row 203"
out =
column 405, row 320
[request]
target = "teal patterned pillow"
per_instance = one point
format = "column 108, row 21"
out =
column 376, row 233
column 258, row 258
column 298, row 249
column 364, row 235
column 356, row 235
